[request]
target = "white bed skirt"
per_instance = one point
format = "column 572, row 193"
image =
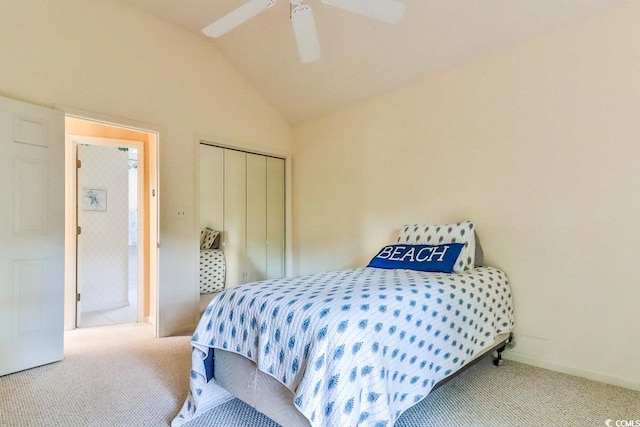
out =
column 240, row 376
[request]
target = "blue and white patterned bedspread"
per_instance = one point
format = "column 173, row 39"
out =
column 357, row 347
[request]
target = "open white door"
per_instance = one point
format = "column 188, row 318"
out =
column 111, row 242
column 31, row 235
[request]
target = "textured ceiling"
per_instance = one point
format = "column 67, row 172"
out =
column 361, row 57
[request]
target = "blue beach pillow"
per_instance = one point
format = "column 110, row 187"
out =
column 434, row 258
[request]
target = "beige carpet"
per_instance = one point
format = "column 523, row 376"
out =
column 110, row 376
column 121, row 376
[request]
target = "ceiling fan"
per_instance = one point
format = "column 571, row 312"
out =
column 304, row 27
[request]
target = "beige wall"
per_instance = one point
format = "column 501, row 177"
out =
column 540, row 147
column 109, row 58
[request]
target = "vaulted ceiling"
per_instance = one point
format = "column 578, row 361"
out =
column 362, row 57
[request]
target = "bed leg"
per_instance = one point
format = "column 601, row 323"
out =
column 497, row 355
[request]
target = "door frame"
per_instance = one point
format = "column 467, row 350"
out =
column 150, row 199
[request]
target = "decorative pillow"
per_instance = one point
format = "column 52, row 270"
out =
column 435, row 258
column 209, row 239
column 462, row 232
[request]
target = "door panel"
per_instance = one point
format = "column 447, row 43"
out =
column 275, row 218
column 211, row 187
column 29, row 278
column 256, row 217
column 235, row 232
column 30, row 196
column 31, row 235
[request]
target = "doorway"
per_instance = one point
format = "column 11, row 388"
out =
column 111, row 241
column 108, row 179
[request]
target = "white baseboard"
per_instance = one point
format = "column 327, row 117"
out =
column 557, row 367
column 113, row 305
column 184, row 330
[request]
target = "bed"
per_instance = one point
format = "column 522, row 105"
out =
column 212, row 262
column 355, row 347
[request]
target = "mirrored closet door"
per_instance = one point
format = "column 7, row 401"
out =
column 242, row 196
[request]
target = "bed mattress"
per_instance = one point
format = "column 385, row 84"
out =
column 353, row 347
column 212, row 270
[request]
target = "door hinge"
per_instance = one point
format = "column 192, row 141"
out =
column 78, row 230
column 77, row 297
column 78, row 163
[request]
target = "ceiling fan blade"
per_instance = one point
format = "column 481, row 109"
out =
column 237, row 17
column 384, row 10
column 304, row 29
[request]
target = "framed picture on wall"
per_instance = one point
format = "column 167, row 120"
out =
column 94, row 200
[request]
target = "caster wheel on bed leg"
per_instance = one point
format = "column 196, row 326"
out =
column 497, row 356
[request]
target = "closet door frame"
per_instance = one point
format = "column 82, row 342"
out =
column 286, row 157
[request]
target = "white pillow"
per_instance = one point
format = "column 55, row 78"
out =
column 462, row 232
